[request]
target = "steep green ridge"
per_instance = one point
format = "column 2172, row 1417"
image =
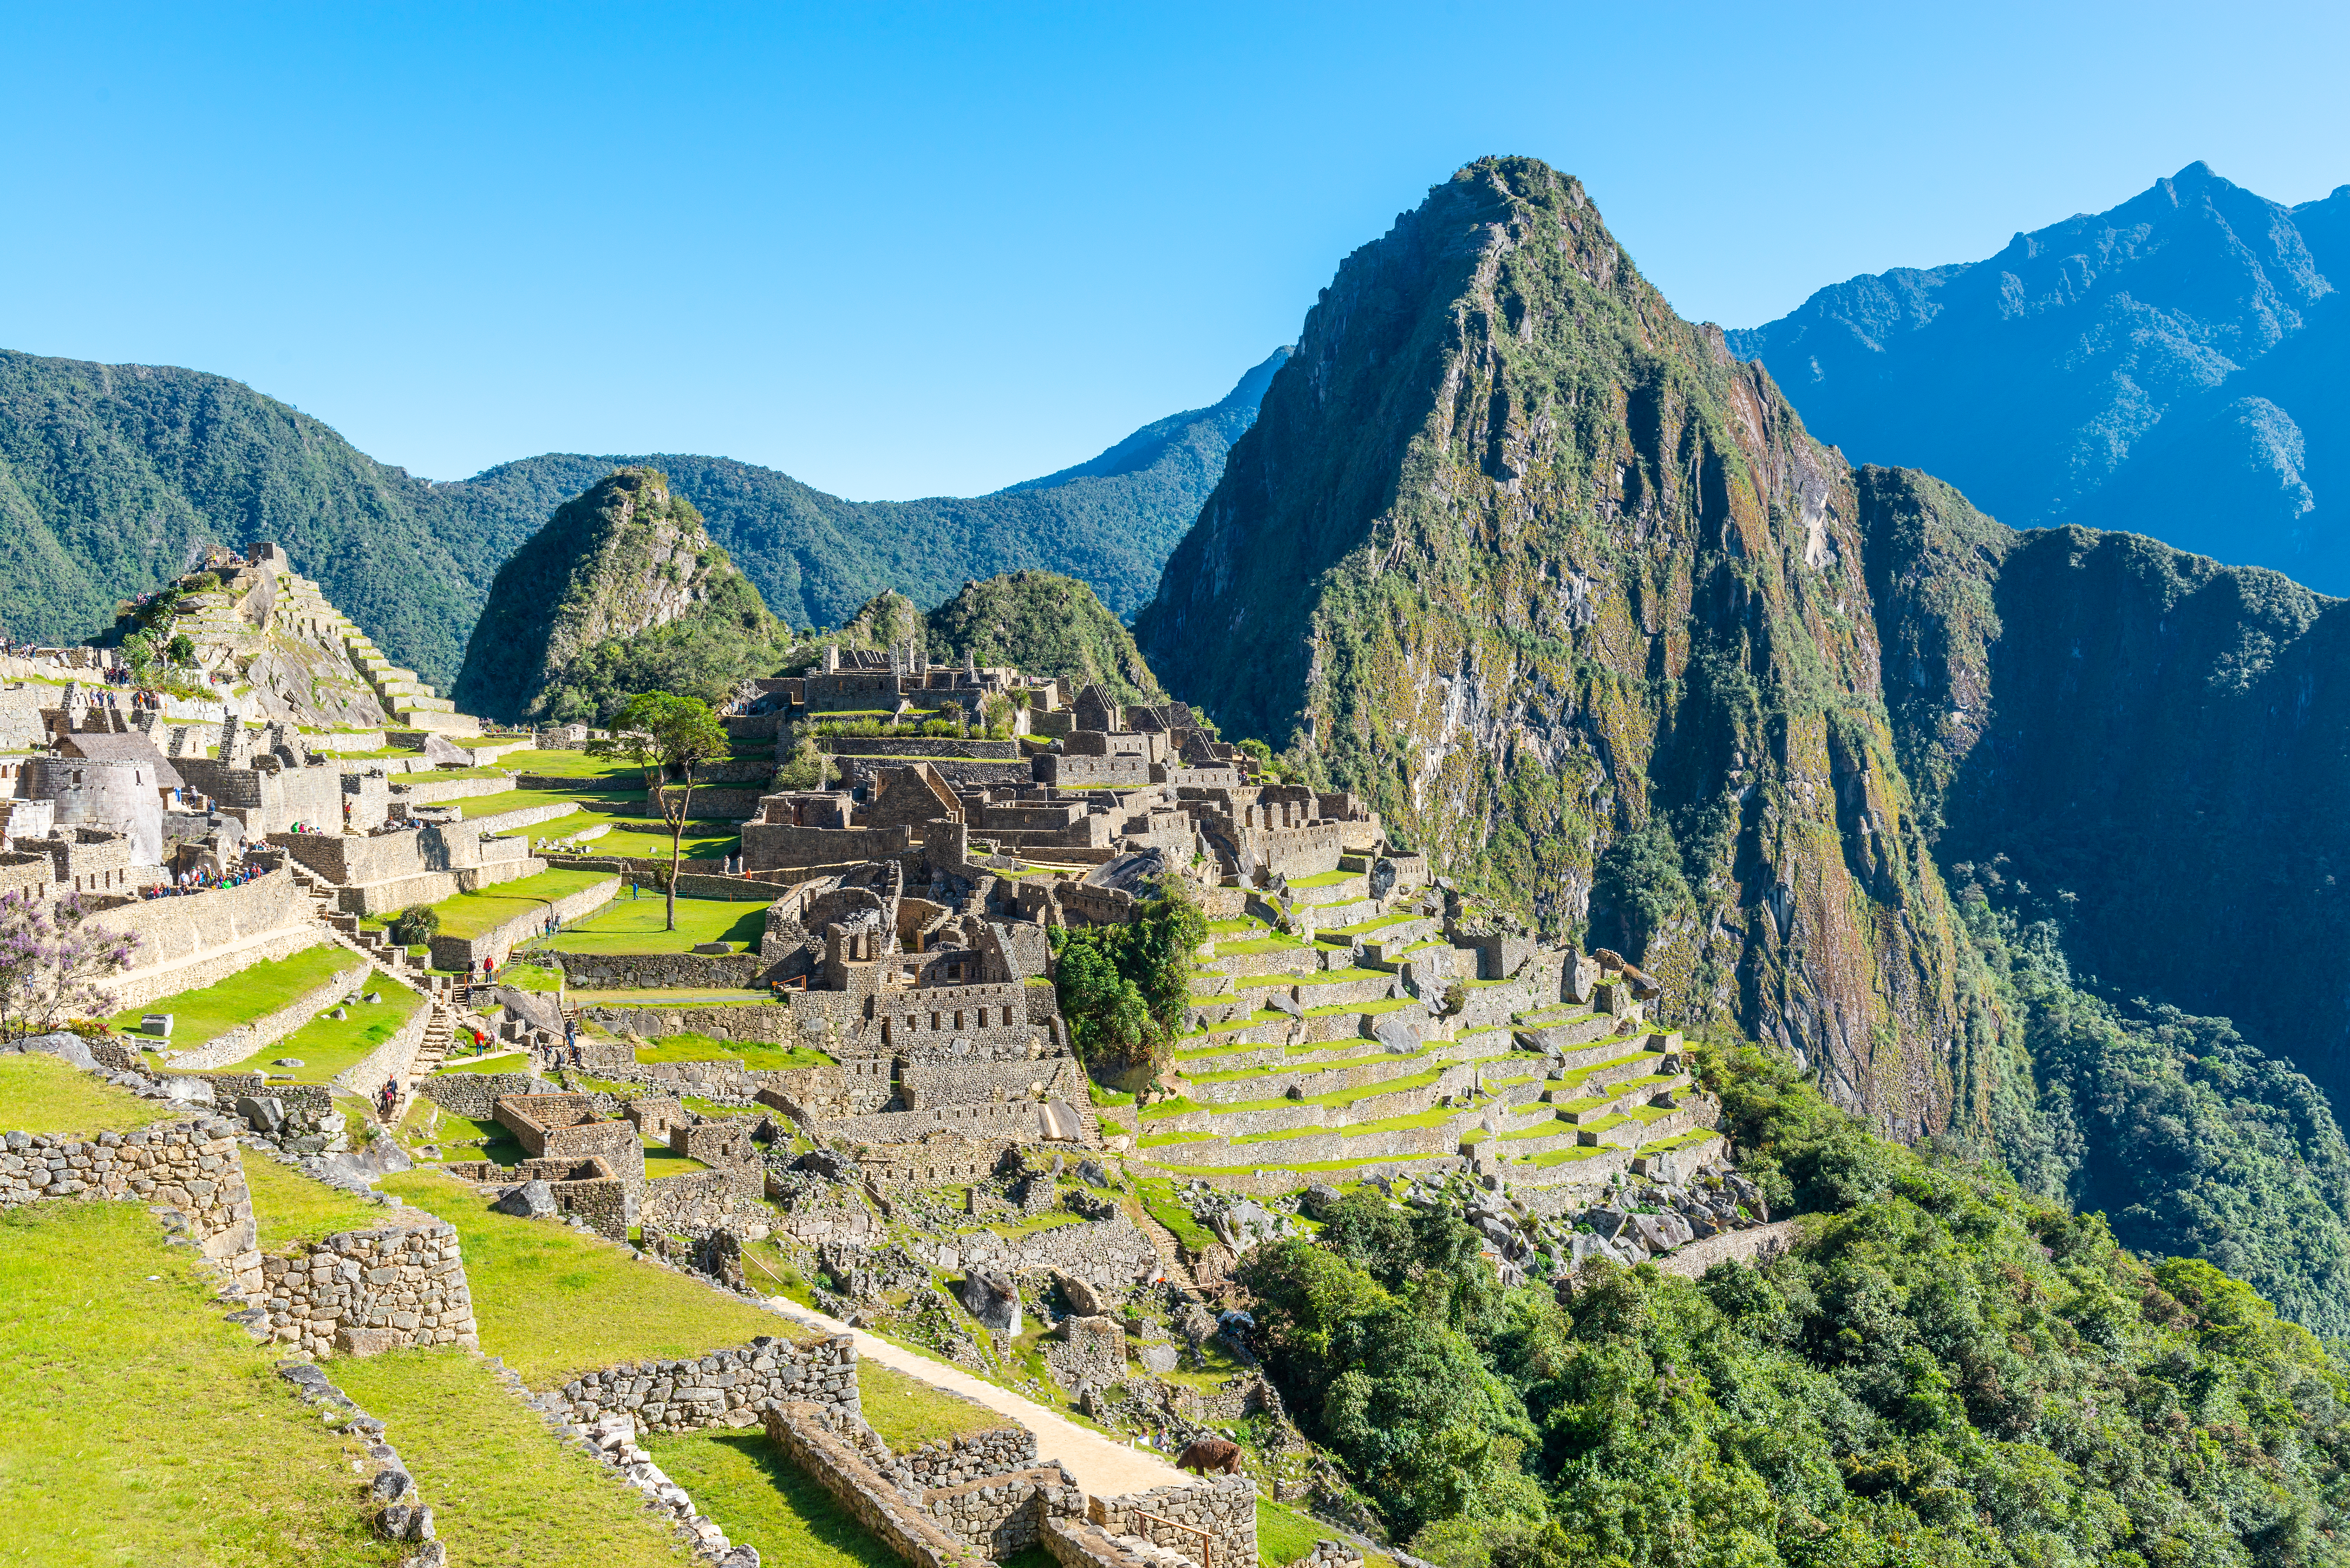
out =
column 1580, row 610
column 1045, row 624
column 2169, row 367
column 112, row 478
column 622, row 590
column 1940, row 1370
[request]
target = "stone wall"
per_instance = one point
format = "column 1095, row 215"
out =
column 360, row 1292
column 188, row 1167
column 237, row 1043
column 906, row 1526
column 693, row 1200
column 932, row 1162
column 955, row 1462
column 190, row 942
column 475, row 1094
column 726, row 1387
column 423, row 789
column 394, row 1057
column 631, row 971
column 1015, row 1121
column 1224, row 1508
column 762, row 1021
column 925, row 1086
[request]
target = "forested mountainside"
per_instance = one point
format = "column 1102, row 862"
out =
column 1570, row 593
column 112, row 478
column 2168, row 367
column 622, row 579
column 1941, row 1371
column 1045, row 624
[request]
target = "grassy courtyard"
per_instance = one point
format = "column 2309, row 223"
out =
column 638, row 926
column 754, row 1054
column 250, row 993
column 141, row 1427
column 288, row 1207
column 556, row 1302
column 761, row 1499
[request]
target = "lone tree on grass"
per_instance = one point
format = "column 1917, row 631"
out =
column 53, row 965
column 668, row 737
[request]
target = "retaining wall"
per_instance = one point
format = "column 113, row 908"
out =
column 459, row 952
column 1224, row 1508
column 360, row 1292
column 392, row 1059
column 906, row 1526
column 629, row 971
column 727, row 1387
column 188, row 1167
column 189, row 942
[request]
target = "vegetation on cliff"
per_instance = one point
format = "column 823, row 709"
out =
column 1580, row 611
column 1042, row 623
column 622, row 592
column 1943, row 1369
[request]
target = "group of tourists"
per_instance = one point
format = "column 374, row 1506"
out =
column 199, row 879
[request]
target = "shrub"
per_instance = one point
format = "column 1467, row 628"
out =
column 417, row 923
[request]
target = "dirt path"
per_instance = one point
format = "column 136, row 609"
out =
column 1103, row 1466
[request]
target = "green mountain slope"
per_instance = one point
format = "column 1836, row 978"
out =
column 112, row 478
column 621, row 591
column 1567, row 592
column 1938, row 1370
column 1045, row 624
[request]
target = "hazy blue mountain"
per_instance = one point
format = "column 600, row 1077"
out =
column 2166, row 367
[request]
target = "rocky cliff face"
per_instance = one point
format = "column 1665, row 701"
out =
column 1566, row 589
column 624, row 558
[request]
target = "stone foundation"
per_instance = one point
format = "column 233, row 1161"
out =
column 361, row 1293
column 725, row 1388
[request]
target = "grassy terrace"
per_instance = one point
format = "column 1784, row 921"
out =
column 1323, row 977
column 1335, row 1099
column 574, row 766
column 144, row 1430
column 502, row 1489
column 636, row 827
column 250, row 993
column 1325, row 880
column 1369, row 928
column 761, row 1499
column 289, row 1206
column 752, row 1053
column 636, row 926
column 1272, row 942
column 473, row 914
column 556, row 1302
column 40, row 1094
column 1301, row 1166
column 326, row 1046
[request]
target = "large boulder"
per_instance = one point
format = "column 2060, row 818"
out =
column 262, row 1113
column 363, row 1166
column 1318, row 1199
column 69, row 1047
column 184, row 1091
column 1244, row 1224
column 989, row 1295
column 531, row 1201
column 1401, row 1031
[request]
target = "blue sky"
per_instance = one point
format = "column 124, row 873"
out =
column 897, row 250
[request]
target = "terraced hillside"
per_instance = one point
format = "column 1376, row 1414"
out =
column 1313, row 1052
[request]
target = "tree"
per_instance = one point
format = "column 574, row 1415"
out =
column 1124, row 989
column 53, row 965
column 667, row 736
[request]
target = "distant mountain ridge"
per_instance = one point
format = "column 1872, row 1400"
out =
column 112, row 479
column 2165, row 367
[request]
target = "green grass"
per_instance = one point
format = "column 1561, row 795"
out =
column 1159, row 1200
column 555, row 1302
column 510, row 1062
column 573, row 765
column 249, row 994
column 1430, row 1118
column 288, row 1207
column 744, row 1484
column 623, row 803
column 503, row 1489
column 1323, row 977
column 141, row 1427
column 1276, row 943
column 325, row 1045
column 662, row 1160
column 40, row 1094
column 756, row 1054
column 638, row 926
column 476, row 914
column 1301, row 1167
column 908, row 1412
column 1324, row 879
column 1284, row 1535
